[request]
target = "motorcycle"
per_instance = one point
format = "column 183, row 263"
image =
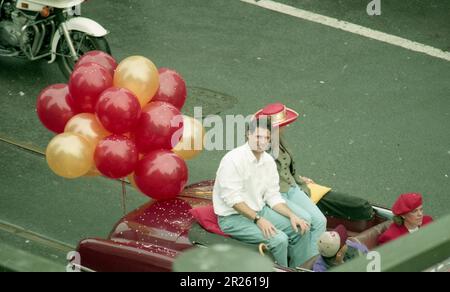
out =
column 49, row 29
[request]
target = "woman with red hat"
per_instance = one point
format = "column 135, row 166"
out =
column 281, row 116
column 408, row 217
column 294, row 187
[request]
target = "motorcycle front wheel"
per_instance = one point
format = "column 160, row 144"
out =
column 83, row 43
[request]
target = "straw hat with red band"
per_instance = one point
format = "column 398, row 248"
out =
column 280, row 114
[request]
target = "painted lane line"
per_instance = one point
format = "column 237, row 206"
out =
column 351, row 27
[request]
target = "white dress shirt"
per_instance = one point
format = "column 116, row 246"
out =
column 241, row 178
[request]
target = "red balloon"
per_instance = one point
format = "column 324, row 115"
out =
column 116, row 156
column 118, row 109
column 55, row 107
column 172, row 88
column 161, row 175
column 100, row 58
column 157, row 126
column 86, row 84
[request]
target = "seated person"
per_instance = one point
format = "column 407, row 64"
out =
column 295, row 188
column 335, row 249
column 247, row 199
column 409, row 218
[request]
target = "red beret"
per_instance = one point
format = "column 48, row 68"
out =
column 407, row 203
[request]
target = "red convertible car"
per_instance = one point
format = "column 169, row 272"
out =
column 151, row 237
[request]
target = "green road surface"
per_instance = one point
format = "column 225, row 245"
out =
column 421, row 21
column 375, row 118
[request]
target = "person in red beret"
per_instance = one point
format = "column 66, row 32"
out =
column 408, row 217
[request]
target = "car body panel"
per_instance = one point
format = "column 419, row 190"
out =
column 151, row 237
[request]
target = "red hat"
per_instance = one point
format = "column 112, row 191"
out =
column 281, row 115
column 407, row 203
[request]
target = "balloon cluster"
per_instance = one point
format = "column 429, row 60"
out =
column 121, row 120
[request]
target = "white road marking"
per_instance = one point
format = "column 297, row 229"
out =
column 351, row 27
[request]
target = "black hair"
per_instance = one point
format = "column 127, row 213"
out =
column 264, row 122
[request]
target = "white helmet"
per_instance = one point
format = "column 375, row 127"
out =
column 329, row 244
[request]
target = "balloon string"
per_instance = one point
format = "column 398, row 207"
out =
column 124, row 198
column 28, row 146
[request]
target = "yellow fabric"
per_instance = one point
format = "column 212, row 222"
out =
column 317, row 192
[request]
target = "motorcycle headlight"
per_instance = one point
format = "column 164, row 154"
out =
column 45, row 12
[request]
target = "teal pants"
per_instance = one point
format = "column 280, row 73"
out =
column 289, row 248
column 318, row 220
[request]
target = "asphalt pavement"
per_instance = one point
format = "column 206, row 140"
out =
column 375, row 118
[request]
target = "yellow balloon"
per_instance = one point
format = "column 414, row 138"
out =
column 191, row 145
column 87, row 125
column 93, row 172
column 70, row 155
column 140, row 76
column 132, row 181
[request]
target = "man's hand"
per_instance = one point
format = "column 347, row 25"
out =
column 307, row 180
column 297, row 222
column 267, row 228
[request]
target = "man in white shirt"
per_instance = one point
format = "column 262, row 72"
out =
column 249, row 205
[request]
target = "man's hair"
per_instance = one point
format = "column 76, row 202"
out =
column 264, row 122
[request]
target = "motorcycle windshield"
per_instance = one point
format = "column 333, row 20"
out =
column 57, row 3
